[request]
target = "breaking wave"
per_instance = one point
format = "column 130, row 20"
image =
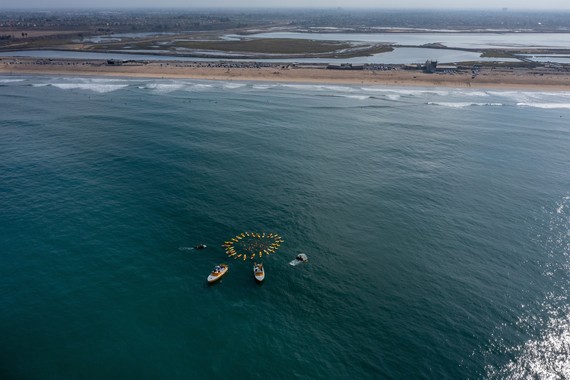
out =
column 163, row 88
column 349, row 96
column 545, row 105
column 233, row 85
column 318, row 87
column 464, row 97
column 262, row 86
column 4, row 81
column 95, row 87
column 407, row 92
column 463, row 104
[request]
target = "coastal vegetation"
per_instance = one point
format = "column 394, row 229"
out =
column 267, row 45
column 263, row 46
column 202, row 33
column 497, row 54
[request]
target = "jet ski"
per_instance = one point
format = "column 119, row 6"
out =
column 301, row 258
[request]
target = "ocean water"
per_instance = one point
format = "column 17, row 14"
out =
column 436, row 222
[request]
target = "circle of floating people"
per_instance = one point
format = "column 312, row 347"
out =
column 249, row 245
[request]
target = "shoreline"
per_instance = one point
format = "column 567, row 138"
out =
column 488, row 78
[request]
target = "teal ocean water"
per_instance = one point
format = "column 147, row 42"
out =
column 436, row 222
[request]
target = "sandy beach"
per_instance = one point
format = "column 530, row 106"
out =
column 488, row 77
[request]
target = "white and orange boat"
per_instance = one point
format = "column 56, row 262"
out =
column 258, row 272
column 217, row 273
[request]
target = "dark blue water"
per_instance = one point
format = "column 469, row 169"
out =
column 437, row 225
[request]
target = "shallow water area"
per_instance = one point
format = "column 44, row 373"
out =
column 451, row 40
column 436, row 222
column 397, row 56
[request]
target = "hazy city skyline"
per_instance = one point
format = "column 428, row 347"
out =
column 446, row 4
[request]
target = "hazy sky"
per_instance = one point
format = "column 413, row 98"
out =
column 487, row 4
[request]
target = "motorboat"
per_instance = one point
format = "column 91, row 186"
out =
column 301, row 258
column 217, row 273
column 201, row 246
column 258, row 272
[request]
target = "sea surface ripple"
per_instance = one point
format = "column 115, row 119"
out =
column 436, row 221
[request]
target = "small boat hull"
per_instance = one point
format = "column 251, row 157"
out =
column 216, row 275
column 258, row 272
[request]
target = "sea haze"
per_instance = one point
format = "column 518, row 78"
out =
column 436, row 222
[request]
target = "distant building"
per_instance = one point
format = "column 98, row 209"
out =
column 446, row 69
column 345, row 66
column 412, row 67
column 430, row 66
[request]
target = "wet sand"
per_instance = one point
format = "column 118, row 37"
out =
column 497, row 78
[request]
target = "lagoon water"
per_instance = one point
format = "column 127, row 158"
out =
column 397, row 56
column 436, row 221
column 452, row 40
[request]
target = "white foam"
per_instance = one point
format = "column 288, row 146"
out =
column 532, row 96
column 197, row 87
column 545, row 105
column 11, row 80
column 393, row 96
column 315, row 87
column 359, row 97
column 481, row 94
column 305, row 87
column 95, row 87
column 40, row 84
column 262, row 86
column 463, row 104
column 164, row 88
column 377, row 89
column 408, row 92
column 338, row 88
column 105, row 80
column 233, row 85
